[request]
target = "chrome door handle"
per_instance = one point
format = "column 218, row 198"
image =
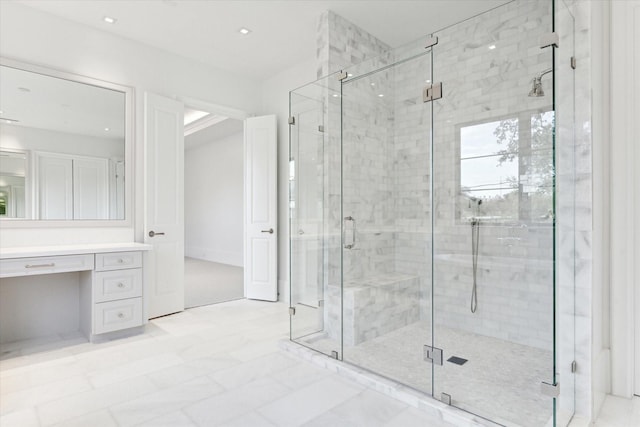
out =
column 270, row 231
column 153, row 233
column 353, row 232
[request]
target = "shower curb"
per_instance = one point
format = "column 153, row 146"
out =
column 411, row 397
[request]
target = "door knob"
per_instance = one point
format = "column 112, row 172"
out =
column 153, row 233
column 270, row 231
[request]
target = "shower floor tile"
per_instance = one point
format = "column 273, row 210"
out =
column 500, row 380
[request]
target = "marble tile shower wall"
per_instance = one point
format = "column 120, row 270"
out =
column 480, row 84
column 341, row 44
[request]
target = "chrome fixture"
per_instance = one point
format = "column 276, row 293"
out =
column 536, row 89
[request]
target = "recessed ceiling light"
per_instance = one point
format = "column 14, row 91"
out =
column 427, row 81
column 109, row 20
column 491, row 47
column 373, row 84
column 349, row 74
column 107, row 129
column 244, row 31
column 381, row 95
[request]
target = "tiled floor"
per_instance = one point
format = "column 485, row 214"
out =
column 216, row 365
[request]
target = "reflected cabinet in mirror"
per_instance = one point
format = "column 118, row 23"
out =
column 63, row 145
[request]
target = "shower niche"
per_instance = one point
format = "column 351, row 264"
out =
column 423, row 211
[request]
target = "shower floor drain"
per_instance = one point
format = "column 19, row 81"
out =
column 457, row 360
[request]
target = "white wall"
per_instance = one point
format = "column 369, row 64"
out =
column 275, row 100
column 213, row 199
column 36, row 37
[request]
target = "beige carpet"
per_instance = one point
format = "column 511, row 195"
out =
column 208, row 282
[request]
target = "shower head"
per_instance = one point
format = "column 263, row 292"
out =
column 536, row 84
column 536, row 88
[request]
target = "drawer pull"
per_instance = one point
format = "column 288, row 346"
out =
column 120, row 260
column 121, row 285
column 53, row 264
column 120, row 315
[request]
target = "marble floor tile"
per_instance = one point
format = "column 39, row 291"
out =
column 83, row 403
column 226, row 406
column 247, row 372
column 175, row 419
column 31, row 397
column 23, row 418
column 166, row 401
column 134, row 369
column 212, row 366
column 306, row 403
column 101, row 418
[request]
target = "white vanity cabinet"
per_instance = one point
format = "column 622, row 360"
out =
column 111, row 281
column 113, row 292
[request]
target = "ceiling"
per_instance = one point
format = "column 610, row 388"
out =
column 283, row 32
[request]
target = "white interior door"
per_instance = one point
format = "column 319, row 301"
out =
column 260, row 248
column 164, row 204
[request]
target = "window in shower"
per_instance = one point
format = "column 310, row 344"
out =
column 508, row 164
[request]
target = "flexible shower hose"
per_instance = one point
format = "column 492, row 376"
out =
column 475, row 240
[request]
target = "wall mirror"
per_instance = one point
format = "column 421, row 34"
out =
column 64, row 146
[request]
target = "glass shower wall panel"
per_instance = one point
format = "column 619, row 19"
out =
column 493, row 223
column 566, row 181
column 386, row 130
column 314, row 192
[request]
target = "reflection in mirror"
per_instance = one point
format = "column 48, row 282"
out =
column 62, row 147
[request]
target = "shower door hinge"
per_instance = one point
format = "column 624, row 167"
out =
column 292, row 311
column 433, row 355
column 334, row 354
column 549, row 39
column 432, row 92
column 320, row 128
column 343, row 75
column 573, row 62
column 292, row 120
column 431, row 41
column 574, row 367
column 551, row 390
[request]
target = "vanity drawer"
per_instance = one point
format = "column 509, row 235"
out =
column 115, row 315
column 117, row 284
column 45, row 265
column 118, row 260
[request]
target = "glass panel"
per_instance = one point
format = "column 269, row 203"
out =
column 565, row 211
column 314, row 187
column 493, row 235
column 387, row 218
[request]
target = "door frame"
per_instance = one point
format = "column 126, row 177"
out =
column 231, row 113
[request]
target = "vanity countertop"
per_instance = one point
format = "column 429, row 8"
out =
column 38, row 251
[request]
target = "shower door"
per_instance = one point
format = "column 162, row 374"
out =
column 493, row 215
column 386, row 216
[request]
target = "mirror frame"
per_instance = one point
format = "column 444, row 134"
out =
column 129, row 151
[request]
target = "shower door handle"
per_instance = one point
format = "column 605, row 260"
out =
column 353, row 232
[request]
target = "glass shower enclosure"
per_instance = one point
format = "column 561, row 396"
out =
column 423, row 216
